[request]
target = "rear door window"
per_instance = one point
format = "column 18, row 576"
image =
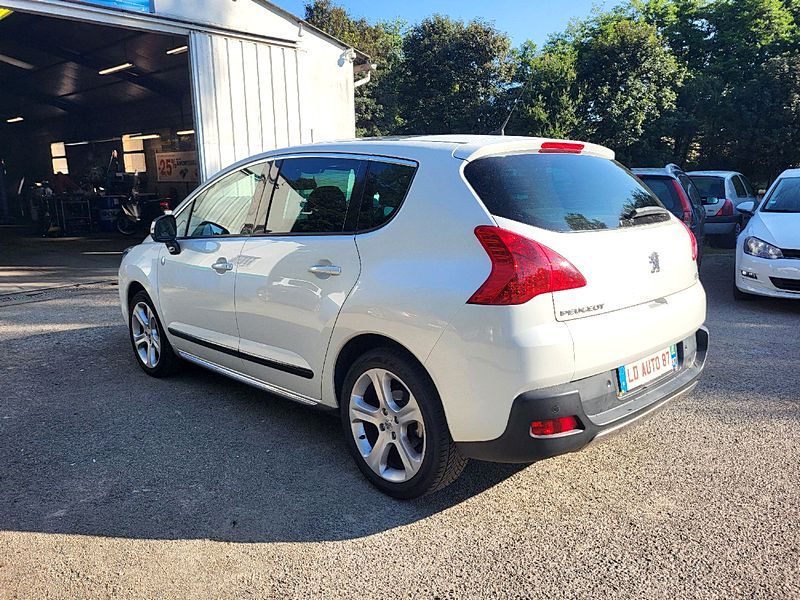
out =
column 741, row 192
column 386, row 186
column 314, row 195
column 559, row 192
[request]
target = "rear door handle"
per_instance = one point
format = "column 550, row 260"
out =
column 222, row 266
column 325, row 270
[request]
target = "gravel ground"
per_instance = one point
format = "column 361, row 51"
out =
column 113, row 484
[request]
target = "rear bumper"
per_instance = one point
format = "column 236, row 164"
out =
column 721, row 225
column 594, row 401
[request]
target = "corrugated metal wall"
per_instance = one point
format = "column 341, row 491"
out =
column 246, row 98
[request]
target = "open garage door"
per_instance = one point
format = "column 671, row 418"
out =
column 93, row 112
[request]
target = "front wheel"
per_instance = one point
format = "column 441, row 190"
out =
column 150, row 344
column 395, row 426
column 124, row 225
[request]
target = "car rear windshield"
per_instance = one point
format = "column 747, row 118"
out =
column 559, row 192
column 710, row 187
column 664, row 188
column 785, row 198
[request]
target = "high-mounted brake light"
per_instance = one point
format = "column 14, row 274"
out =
column 726, row 210
column 693, row 240
column 561, row 147
column 521, row 269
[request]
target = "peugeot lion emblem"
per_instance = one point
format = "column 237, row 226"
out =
column 655, row 266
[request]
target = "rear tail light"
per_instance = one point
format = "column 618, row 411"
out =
column 726, row 210
column 554, row 426
column 521, row 269
column 561, row 147
column 164, row 204
column 687, row 218
column 693, row 240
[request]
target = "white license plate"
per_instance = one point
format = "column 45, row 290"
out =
column 647, row 369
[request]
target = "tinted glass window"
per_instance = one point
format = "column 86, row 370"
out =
column 739, row 187
column 386, row 186
column 747, row 187
column 785, row 197
column 223, row 208
column 560, row 192
column 313, row 195
column 664, row 188
column 182, row 220
column 709, row 187
column 691, row 190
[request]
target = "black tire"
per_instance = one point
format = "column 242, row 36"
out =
column 167, row 359
column 441, row 462
column 124, row 225
column 740, row 295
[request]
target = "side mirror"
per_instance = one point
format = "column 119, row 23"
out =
column 165, row 230
column 747, row 208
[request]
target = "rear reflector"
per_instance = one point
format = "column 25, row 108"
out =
column 554, row 426
column 521, row 269
column 561, row 147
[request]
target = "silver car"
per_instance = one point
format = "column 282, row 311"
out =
column 722, row 192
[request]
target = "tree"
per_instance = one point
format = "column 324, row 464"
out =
column 376, row 102
column 545, row 84
column 627, row 78
column 452, row 75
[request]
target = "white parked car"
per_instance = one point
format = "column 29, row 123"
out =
column 501, row 298
column 722, row 192
column 768, row 249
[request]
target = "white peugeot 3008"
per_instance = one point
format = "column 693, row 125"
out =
column 499, row 298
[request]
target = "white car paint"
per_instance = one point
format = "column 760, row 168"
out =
column 781, row 230
column 409, row 281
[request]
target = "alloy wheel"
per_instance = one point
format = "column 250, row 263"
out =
column 387, row 425
column 146, row 335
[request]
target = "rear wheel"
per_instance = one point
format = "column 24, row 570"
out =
column 124, row 225
column 150, row 345
column 395, row 426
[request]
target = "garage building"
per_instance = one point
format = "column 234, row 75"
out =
column 178, row 88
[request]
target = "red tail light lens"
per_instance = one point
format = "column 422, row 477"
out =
column 726, row 210
column 554, row 426
column 561, row 147
column 693, row 239
column 685, row 204
column 521, row 269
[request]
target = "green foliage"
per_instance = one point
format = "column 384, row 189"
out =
column 451, row 76
column 704, row 83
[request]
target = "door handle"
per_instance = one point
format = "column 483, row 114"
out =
column 325, row 270
column 222, row 266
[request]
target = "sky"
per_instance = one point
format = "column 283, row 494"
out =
column 520, row 19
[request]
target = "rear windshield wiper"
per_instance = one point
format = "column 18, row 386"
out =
column 645, row 211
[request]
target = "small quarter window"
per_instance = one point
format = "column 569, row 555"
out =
column 739, row 187
column 385, row 188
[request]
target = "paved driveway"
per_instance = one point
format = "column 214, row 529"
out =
column 115, row 484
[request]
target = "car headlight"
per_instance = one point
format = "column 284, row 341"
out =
column 756, row 247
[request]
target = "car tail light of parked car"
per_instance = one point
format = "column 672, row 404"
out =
column 726, row 210
column 692, row 239
column 521, row 269
column 687, row 207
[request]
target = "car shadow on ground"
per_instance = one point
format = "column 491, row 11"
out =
column 93, row 446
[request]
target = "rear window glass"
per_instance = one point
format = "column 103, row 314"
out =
column 664, row 188
column 559, row 192
column 785, row 197
column 710, row 187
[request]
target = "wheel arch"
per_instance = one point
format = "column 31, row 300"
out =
column 361, row 344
